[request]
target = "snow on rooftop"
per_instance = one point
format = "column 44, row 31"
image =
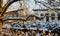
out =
column 30, row 4
column 39, row 6
column 14, row 6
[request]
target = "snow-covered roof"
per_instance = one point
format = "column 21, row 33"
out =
column 31, row 4
column 43, row 4
column 14, row 6
column 39, row 6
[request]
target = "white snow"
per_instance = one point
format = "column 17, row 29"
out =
column 14, row 6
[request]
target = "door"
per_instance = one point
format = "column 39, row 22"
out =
column 47, row 18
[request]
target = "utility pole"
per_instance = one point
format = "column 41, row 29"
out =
column 0, row 17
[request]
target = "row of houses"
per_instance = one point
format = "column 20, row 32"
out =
column 43, row 16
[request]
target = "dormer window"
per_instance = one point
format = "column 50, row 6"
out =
column 42, row 14
column 53, row 16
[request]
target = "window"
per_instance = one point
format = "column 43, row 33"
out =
column 15, row 14
column 53, row 16
column 20, row 13
column 47, row 18
column 7, row 16
column 59, row 16
column 42, row 14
